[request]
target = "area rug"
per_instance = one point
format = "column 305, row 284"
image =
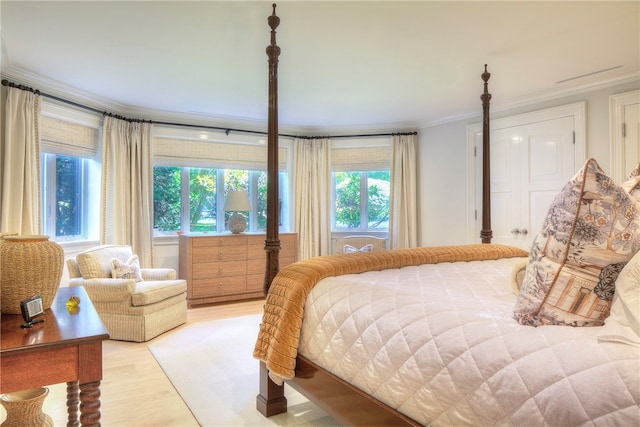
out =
column 211, row 366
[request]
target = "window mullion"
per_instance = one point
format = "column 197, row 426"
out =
column 364, row 199
column 49, row 191
column 220, row 186
column 185, row 220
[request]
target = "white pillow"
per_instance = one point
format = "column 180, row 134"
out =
column 128, row 270
column 623, row 323
column 348, row 249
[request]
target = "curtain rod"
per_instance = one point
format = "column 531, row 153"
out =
column 227, row 130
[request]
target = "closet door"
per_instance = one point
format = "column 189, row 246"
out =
column 529, row 165
column 624, row 110
column 533, row 155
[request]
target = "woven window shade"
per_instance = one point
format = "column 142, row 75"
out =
column 361, row 158
column 67, row 138
column 183, row 152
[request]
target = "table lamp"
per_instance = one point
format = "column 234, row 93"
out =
column 237, row 201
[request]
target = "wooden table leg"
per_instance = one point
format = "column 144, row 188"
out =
column 90, row 404
column 72, row 404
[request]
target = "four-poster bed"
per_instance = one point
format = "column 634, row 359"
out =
column 427, row 335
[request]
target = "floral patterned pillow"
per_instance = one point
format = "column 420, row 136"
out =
column 130, row 270
column 591, row 231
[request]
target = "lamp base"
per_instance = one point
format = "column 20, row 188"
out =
column 237, row 223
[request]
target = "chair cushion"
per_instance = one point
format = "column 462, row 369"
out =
column 149, row 292
column 95, row 263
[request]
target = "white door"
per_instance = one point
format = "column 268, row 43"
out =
column 532, row 157
column 529, row 165
column 631, row 142
column 624, row 110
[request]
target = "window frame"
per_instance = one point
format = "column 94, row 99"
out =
column 49, row 185
column 71, row 133
column 352, row 160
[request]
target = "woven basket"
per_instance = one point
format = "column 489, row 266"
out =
column 29, row 266
column 24, row 408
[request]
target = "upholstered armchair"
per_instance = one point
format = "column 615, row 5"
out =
column 135, row 304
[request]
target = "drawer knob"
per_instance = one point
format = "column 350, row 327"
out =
column 220, row 285
column 220, row 254
column 220, row 269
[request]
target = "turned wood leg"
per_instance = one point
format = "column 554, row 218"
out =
column 72, row 404
column 271, row 400
column 90, row 404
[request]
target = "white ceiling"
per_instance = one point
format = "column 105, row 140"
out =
column 344, row 65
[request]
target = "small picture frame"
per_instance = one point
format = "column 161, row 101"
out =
column 31, row 308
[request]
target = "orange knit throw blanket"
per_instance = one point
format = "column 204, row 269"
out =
column 277, row 343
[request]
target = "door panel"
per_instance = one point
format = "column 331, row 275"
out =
column 631, row 137
column 505, row 182
column 541, row 161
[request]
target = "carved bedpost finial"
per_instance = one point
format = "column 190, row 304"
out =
column 273, row 20
column 273, row 51
column 486, row 96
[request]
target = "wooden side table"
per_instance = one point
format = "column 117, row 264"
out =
column 66, row 347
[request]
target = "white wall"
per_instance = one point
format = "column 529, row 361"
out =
column 442, row 159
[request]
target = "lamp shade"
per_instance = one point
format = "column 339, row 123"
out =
column 237, row 201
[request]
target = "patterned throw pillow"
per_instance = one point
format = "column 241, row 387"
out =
column 130, row 270
column 591, row 231
column 348, row 249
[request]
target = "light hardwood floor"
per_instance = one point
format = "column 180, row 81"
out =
column 134, row 389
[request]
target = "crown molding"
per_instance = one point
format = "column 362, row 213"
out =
column 57, row 89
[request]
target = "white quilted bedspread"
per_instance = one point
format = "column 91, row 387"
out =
column 438, row 342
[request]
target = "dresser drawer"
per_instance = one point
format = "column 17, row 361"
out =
column 208, row 254
column 288, row 247
column 217, row 241
column 219, row 269
column 257, row 266
column 255, row 282
column 204, row 288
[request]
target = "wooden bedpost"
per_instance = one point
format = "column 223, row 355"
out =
column 272, row 242
column 486, row 234
column 270, row 400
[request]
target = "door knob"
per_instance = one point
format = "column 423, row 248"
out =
column 515, row 231
column 524, row 231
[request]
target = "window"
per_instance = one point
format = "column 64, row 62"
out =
column 361, row 185
column 194, row 170
column 200, row 187
column 69, row 174
column 361, row 200
column 63, row 196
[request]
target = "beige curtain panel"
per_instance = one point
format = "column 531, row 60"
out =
column 20, row 160
column 311, row 186
column 127, row 187
column 403, row 220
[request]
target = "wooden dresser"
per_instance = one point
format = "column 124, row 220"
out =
column 228, row 267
